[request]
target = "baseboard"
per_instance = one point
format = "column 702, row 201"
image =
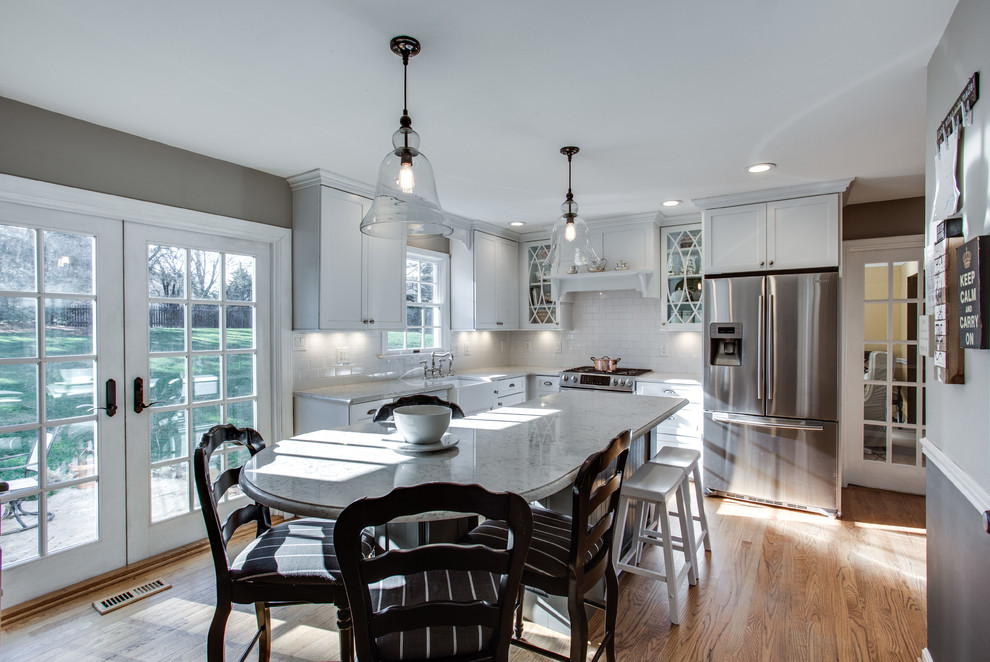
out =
column 926, row 656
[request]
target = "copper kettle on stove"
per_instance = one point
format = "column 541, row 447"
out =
column 605, row 364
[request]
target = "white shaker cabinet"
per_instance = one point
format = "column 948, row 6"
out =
column 484, row 283
column 342, row 279
column 799, row 233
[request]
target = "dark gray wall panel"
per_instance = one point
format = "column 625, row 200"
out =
column 958, row 574
column 42, row 145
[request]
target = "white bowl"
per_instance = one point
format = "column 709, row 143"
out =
column 422, row 424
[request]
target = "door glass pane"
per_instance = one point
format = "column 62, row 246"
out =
column 904, row 404
column 240, row 278
column 68, row 327
column 68, row 263
column 905, row 280
column 169, row 491
column 168, row 380
column 242, row 414
column 18, row 328
column 71, row 452
column 905, row 326
column 875, row 443
column 18, row 253
column 166, row 327
column 19, row 459
column 19, row 394
column 204, row 275
column 875, row 281
column 875, row 321
column 903, row 446
column 168, row 435
column 75, row 519
column 206, row 377
column 875, row 402
column 205, row 327
column 166, row 271
column 240, row 375
column 240, row 327
column 205, row 418
column 70, row 390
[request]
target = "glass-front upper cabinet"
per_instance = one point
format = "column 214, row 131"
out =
column 682, row 274
column 539, row 310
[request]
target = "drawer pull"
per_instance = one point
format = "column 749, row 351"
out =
column 548, row 383
column 372, row 411
column 669, row 392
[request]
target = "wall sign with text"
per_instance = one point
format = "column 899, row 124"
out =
column 973, row 260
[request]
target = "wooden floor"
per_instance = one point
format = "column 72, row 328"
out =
column 778, row 586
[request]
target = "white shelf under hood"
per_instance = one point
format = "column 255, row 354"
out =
column 643, row 281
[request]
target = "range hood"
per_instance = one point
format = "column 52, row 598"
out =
column 644, row 281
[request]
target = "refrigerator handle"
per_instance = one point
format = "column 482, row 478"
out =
column 761, row 357
column 771, row 353
column 764, row 422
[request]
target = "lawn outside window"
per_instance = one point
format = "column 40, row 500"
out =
column 427, row 307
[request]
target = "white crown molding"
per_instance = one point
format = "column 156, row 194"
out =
column 969, row 488
column 770, row 195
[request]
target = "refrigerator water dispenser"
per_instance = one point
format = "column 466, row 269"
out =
column 726, row 343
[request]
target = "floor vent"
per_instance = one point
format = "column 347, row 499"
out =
column 124, row 598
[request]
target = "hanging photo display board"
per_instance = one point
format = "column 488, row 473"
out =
column 973, row 259
column 948, row 354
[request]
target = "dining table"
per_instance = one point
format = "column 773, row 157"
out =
column 533, row 449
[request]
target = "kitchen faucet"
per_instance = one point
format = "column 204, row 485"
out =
column 434, row 370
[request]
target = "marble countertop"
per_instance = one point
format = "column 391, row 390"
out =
column 534, row 449
column 393, row 388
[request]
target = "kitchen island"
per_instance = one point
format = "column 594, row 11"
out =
column 533, row 449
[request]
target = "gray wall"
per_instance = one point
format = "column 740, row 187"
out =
column 892, row 218
column 42, row 145
column 958, row 416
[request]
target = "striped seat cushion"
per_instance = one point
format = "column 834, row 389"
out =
column 295, row 552
column 548, row 552
column 430, row 586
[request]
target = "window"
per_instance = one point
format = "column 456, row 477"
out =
column 426, row 303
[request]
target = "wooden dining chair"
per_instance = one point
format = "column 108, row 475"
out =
column 572, row 553
column 441, row 601
column 385, row 411
column 291, row 563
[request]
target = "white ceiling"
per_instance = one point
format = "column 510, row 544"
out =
column 665, row 98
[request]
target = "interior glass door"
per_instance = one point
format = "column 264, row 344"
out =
column 61, row 375
column 198, row 355
column 885, row 424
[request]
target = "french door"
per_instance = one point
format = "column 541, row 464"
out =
column 883, row 417
column 119, row 339
column 197, row 355
column 61, row 371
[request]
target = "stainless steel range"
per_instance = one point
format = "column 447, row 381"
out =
column 621, row 380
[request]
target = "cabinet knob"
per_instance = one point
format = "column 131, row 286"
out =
column 761, row 263
column 771, row 263
column 372, row 321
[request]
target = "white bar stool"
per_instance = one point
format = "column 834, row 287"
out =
column 655, row 484
column 689, row 460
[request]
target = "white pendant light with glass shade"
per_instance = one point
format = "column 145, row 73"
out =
column 570, row 247
column 405, row 202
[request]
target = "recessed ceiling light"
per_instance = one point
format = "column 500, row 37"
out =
column 517, row 224
column 671, row 203
column 761, row 167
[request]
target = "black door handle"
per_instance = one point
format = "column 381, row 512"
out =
column 111, row 407
column 139, row 404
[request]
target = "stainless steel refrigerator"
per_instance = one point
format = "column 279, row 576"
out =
column 771, row 389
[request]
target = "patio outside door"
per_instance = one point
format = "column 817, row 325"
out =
column 197, row 339
column 61, row 354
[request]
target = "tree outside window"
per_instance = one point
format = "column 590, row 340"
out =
column 425, row 287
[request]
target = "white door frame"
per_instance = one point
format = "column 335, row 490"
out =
column 896, row 477
column 44, row 195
